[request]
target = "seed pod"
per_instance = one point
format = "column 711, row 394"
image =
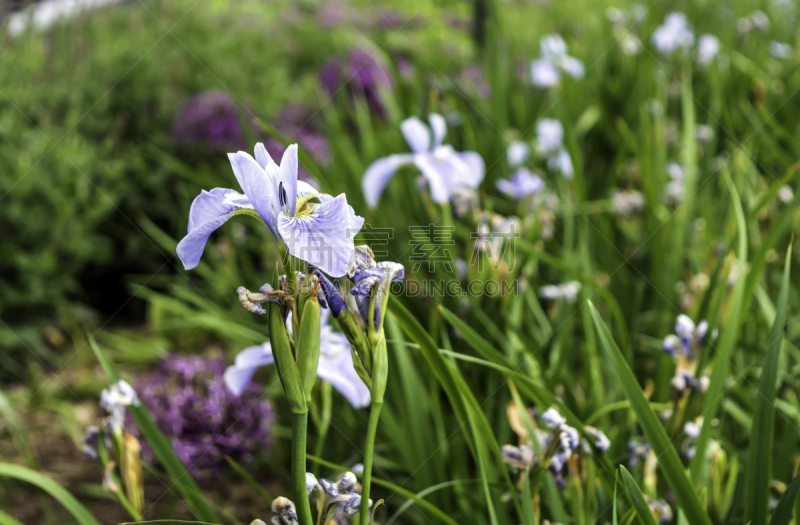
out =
column 380, row 370
column 307, row 344
column 284, row 360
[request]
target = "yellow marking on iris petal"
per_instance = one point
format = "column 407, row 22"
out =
column 303, row 204
column 246, row 211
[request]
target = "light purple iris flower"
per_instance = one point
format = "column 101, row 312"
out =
column 335, row 364
column 445, row 169
column 522, row 184
column 320, row 233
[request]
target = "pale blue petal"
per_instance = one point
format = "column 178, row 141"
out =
column 262, row 156
column 544, row 73
column 304, row 188
column 438, row 174
column 477, row 168
column 439, row 128
column 257, row 185
column 287, row 179
column 209, row 205
column 417, row 134
column 208, row 212
column 378, row 174
column 336, row 367
column 238, row 375
column 323, row 238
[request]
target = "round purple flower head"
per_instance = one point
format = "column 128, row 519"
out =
column 209, row 118
column 203, row 420
column 361, row 73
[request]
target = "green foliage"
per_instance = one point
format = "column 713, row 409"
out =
column 94, row 195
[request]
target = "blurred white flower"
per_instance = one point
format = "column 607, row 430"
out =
column 779, row 50
column 626, row 202
column 629, row 44
column 545, row 70
column 785, row 194
column 568, row 291
column 47, row 13
column 674, row 34
column 759, row 20
column 549, row 136
column 704, row 132
column 562, row 163
column 517, row 153
column 707, row 49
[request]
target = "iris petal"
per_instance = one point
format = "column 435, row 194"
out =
column 241, row 372
column 257, row 185
column 323, row 238
column 336, row 367
column 209, row 205
column 439, row 128
column 378, row 174
column 209, row 211
column 262, row 156
column 287, row 177
column 416, row 134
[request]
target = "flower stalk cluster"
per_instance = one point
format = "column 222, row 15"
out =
column 119, row 451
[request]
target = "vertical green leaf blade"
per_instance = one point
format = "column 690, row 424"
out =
column 719, row 374
column 783, row 512
column 670, row 463
column 642, row 508
column 761, row 436
column 78, row 511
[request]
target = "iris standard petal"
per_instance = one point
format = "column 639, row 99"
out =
column 287, row 181
column 378, row 174
column 239, row 374
column 416, row 134
column 439, row 128
column 262, row 156
column 209, row 205
column 257, row 185
column 338, row 370
column 322, row 237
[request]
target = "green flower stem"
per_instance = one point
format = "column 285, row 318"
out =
column 372, row 428
column 299, row 431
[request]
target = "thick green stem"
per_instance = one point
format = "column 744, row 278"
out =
column 299, row 430
column 372, row 428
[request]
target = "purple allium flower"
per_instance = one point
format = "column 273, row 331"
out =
column 361, row 73
column 209, row 118
column 203, row 420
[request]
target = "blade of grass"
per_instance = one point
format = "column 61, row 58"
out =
column 756, row 508
column 727, row 343
column 78, row 511
column 461, row 398
column 249, row 479
column 162, row 448
column 7, row 519
column 670, row 463
column 16, row 431
column 643, row 511
column 783, row 512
